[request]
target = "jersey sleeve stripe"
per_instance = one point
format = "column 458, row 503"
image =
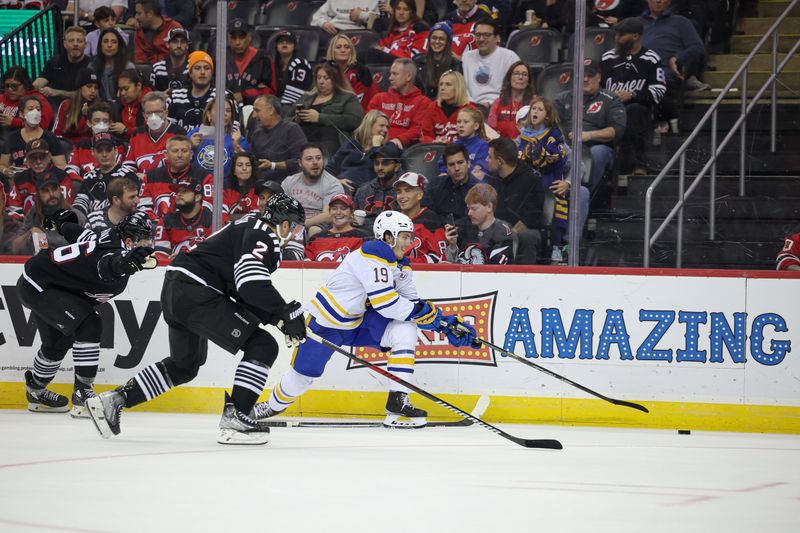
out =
column 378, row 308
column 379, row 291
column 332, row 301
column 377, row 300
column 247, row 279
column 344, row 319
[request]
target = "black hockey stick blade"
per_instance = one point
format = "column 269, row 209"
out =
column 549, row 372
column 528, row 443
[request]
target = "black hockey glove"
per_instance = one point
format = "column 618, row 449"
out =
column 131, row 261
column 293, row 324
column 59, row 218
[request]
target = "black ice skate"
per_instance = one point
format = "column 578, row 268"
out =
column 236, row 427
column 79, row 397
column 42, row 400
column 105, row 411
column 401, row 414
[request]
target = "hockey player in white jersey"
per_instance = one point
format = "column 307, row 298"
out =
column 370, row 300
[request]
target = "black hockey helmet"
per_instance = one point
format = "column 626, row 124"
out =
column 137, row 226
column 282, row 207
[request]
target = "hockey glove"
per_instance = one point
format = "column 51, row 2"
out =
column 459, row 333
column 59, row 218
column 293, row 324
column 131, row 261
column 426, row 315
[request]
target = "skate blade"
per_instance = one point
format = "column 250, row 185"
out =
column 401, row 422
column 94, row 406
column 79, row 411
column 231, row 436
column 39, row 408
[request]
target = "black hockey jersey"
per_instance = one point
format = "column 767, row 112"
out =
column 494, row 245
column 162, row 78
column 640, row 74
column 238, row 261
column 92, row 197
column 187, row 109
column 82, row 268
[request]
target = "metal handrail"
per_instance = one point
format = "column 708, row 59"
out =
column 22, row 46
column 716, row 150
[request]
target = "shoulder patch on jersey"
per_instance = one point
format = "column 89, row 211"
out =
column 378, row 250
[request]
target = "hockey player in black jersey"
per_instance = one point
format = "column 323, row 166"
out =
column 63, row 286
column 221, row 290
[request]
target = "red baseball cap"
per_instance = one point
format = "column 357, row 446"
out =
column 344, row 198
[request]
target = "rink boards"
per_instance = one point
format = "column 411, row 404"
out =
column 702, row 349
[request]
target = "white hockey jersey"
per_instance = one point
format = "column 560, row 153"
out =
column 369, row 276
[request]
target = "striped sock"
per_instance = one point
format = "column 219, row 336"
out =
column 290, row 388
column 248, row 384
column 44, row 370
column 86, row 357
column 401, row 364
column 153, row 381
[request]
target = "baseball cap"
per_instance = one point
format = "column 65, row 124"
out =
column 37, row 146
column 590, row 66
column 178, row 32
column 238, row 24
column 187, row 183
column 100, row 139
column 387, row 151
column 86, row 77
column 273, row 186
column 522, row 112
column 286, row 35
column 412, row 179
column 47, row 178
column 344, row 198
column 630, row 25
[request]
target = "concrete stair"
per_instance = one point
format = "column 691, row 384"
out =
column 773, row 8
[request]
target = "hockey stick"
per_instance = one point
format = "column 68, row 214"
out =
column 477, row 412
column 623, row 403
column 528, row 443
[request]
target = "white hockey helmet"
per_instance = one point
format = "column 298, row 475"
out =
column 394, row 222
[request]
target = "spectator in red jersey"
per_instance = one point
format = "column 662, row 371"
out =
column 789, row 256
column 406, row 34
column 12, row 158
column 442, row 120
column 159, row 194
column 149, row 41
column 47, row 198
column 351, row 163
column 128, row 110
column 343, row 52
column 111, row 61
column 17, row 85
column 438, row 59
column 248, row 67
column 341, row 238
column 39, row 162
column 71, row 118
column 149, row 142
column 404, row 103
column 82, row 160
column 463, row 20
column 517, row 91
column 239, row 196
column 190, row 223
column 429, row 238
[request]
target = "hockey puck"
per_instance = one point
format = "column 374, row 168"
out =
column 684, row 432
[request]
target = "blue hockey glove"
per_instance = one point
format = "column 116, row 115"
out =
column 427, row 316
column 459, row 333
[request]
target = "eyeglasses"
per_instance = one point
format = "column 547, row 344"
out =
column 12, row 86
column 483, row 35
column 520, row 74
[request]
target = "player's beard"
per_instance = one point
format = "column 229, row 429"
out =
column 185, row 209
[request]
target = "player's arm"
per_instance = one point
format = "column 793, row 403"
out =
column 118, row 264
column 252, row 271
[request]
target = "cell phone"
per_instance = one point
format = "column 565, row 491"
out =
column 449, row 219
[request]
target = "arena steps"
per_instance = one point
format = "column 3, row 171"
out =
column 773, row 8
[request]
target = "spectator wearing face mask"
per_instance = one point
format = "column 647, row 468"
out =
column 13, row 157
column 149, row 142
column 82, row 161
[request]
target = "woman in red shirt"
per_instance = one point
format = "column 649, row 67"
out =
column 441, row 122
column 517, row 91
column 407, row 33
column 71, row 119
column 16, row 85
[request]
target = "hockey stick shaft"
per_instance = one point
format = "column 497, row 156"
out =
column 528, row 443
column 550, row 373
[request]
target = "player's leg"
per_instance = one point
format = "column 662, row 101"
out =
column 86, row 358
column 401, row 337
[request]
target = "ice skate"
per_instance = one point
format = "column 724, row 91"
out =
column 262, row 411
column 236, row 427
column 42, row 400
column 401, row 414
column 79, row 397
column 105, row 411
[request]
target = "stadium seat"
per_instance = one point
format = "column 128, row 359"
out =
column 423, row 159
column 380, row 76
column 308, row 41
column 441, row 7
column 553, row 80
column 536, row 47
column 67, row 147
column 363, row 40
column 144, row 70
column 598, row 41
column 288, row 13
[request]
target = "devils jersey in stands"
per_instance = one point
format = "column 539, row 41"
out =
column 92, row 199
column 464, row 28
column 145, row 152
column 82, row 161
column 238, row 261
column 158, row 196
column 790, row 254
column 334, row 246
column 183, row 233
column 162, row 78
column 429, row 239
column 22, row 195
column 245, row 75
column 82, row 268
column 294, row 83
column 639, row 74
column 494, row 245
column 238, row 202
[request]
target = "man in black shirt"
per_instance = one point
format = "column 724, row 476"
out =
column 60, row 75
column 62, row 288
column 221, row 290
column 172, row 72
column 187, row 104
column 445, row 195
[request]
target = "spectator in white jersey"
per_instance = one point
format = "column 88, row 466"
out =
column 486, row 67
column 172, row 72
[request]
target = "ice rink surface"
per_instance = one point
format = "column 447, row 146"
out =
column 166, row 473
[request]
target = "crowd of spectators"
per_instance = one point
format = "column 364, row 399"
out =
column 123, row 118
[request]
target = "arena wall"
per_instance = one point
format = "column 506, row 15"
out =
column 702, row 349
